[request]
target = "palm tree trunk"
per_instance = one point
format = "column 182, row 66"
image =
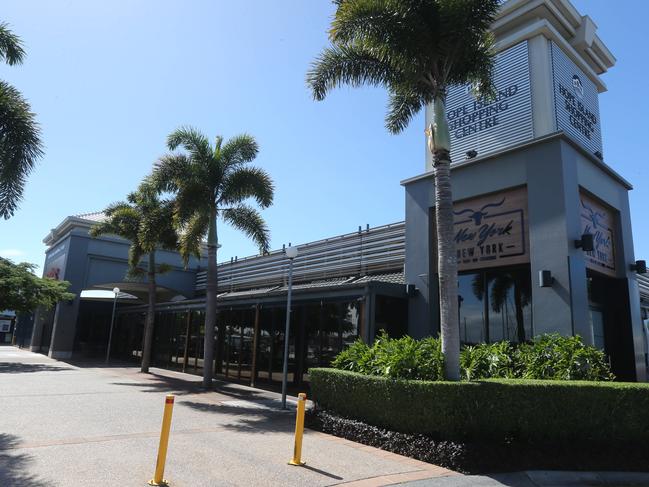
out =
column 150, row 316
column 210, row 303
column 520, row 319
column 446, row 258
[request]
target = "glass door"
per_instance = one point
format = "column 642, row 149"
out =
column 596, row 319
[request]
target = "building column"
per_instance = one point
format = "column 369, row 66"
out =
column 626, row 256
column 64, row 329
column 541, row 82
column 40, row 315
column 553, row 205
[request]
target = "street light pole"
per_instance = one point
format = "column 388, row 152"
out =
column 291, row 253
column 112, row 321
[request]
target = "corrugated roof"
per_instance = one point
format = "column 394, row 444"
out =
column 643, row 286
column 95, row 216
column 394, row 278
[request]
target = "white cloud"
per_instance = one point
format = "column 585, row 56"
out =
column 9, row 253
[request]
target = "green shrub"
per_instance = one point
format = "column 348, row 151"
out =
column 402, row 358
column 488, row 360
column 527, row 410
column 561, row 358
column 546, row 357
column 354, row 358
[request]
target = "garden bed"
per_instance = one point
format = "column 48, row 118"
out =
column 490, row 425
column 486, row 457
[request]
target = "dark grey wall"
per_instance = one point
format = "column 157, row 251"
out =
column 92, row 262
column 553, row 170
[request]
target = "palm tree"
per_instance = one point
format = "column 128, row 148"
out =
column 146, row 221
column 20, row 144
column 416, row 49
column 212, row 182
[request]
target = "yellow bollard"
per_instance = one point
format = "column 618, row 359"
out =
column 164, row 442
column 299, row 430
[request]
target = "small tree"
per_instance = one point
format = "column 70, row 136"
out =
column 212, row 182
column 145, row 220
column 416, row 49
column 22, row 291
column 20, row 144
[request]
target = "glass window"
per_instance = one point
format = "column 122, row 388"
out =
column 510, row 313
column 391, row 315
column 495, row 305
column 471, row 308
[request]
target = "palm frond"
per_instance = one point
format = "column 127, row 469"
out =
column 168, row 170
column 11, row 47
column 121, row 219
column 250, row 222
column 163, row 268
column 20, row 147
column 192, row 234
column 194, row 197
column 403, row 105
column 192, row 141
column 247, row 182
column 136, row 273
column 415, row 49
column 239, row 150
column 135, row 254
column 348, row 64
column 399, row 28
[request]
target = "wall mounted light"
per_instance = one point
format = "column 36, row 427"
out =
column 586, row 242
column 640, row 267
column 471, row 154
column 545, row 279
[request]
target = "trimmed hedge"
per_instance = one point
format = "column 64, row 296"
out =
column 510, row 410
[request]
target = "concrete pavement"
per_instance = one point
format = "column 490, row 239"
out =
column 66, row 425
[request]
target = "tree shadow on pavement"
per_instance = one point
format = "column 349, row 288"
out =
column 182, row 387
column 21, row 367
column 250, row 419
column 14, row 465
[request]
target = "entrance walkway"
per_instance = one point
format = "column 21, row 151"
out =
column 68, row 425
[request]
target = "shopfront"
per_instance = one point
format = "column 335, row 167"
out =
column 249, row 343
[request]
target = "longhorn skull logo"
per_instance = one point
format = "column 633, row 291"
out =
column 593, row 215
column 478, row 215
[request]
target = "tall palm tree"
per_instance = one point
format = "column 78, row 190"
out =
column 145, row 220
column 20, row 144
column 212, row 182
column 416, row 49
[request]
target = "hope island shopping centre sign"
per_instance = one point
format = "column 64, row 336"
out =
column 488, row 125
column 492, row 230
column 576, row 102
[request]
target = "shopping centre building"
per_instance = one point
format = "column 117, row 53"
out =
column 543, row 235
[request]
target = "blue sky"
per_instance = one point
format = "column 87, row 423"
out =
column 110, row 80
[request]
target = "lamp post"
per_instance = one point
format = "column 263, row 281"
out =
column 112, row 320
column 291, row 253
